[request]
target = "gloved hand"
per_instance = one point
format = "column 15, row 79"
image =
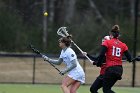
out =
column 94, row 63
column 84, row 53
column 97, row 64
column 61, row 73
column 45, row 58
column 136, row 59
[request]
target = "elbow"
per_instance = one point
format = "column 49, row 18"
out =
column 74, row 66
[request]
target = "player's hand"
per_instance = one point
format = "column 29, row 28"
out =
column 45, row 58
column 84, row 53
column 136, row 59
column 94, row 63
column 61, row 73
column 97, row 64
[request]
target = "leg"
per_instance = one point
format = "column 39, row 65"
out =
column 97, row 84
column 75, row 86
column 107, row 84
column 112, row 75
column 67, row 81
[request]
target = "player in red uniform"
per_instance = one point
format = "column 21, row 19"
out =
column 97, row 84
column 114, row 50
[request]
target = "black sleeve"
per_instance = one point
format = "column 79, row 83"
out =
column 137, row 58
column 92, row 57
column 101, row 57
column 128, row 56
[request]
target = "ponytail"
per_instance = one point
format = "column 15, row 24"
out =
column 115, row 31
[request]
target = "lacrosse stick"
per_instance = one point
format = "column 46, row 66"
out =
column 37, row 52
column 64, row 33
column 134, row 59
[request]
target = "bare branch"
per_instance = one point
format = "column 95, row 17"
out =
column 97, row 12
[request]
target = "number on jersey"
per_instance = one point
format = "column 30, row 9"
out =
column 116, row 51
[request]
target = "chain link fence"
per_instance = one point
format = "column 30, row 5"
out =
column 29, row 68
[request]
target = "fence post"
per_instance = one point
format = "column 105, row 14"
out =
column 135, row 40
column 34, row 64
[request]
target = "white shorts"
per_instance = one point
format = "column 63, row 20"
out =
column 77, row 75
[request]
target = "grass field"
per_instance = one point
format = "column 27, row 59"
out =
column 29, row 88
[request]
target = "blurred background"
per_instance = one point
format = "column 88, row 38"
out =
column 22, row 22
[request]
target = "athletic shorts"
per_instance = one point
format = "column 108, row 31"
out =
column 77, row 75
column 114, row 72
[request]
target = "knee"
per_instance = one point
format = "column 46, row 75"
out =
column 63, row 86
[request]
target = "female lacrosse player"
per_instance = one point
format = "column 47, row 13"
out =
column 76, row 75
column 97, row 84
column 113, row 50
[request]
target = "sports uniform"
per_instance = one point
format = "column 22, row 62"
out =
column 114, row 50
column 76, row 73
column 98, row 83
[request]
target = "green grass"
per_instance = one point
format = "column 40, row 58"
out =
column 27, row 88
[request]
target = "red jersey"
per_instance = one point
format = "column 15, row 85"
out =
column 115, row 50
column 103, row 68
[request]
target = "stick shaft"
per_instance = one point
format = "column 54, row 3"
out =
column 38, row 52
column 82, row 52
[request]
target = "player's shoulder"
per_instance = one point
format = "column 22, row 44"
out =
column 106, row 42
column 124, row 44
column 121, row 42
column 70, row 52
column 69, row 49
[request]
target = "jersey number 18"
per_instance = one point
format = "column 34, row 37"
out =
column 116, row 51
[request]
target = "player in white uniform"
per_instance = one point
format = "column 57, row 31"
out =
column 76, row 75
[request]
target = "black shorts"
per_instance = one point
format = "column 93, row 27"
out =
column 114, row 72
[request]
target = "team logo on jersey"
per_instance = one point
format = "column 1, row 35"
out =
column 72, row 55
column 116, row 42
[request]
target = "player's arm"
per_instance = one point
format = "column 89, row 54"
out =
column 71, row 66
column 128, row 56
column 92, row 57
column 57, row 62
column 101, row 57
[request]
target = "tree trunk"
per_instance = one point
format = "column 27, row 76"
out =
column 44, row 25
column 98, row 17
column 69, row 6
column 132, row 10
column 51, row 11
column 59, row 12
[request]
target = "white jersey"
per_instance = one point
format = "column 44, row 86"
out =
column 77, row 73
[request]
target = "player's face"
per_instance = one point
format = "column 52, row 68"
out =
column 61, row 44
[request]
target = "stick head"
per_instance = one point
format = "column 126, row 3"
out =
column 62, row 32
column 34, row 50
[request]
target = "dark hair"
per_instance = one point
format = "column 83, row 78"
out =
column 66, row 40
column 115, row 31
